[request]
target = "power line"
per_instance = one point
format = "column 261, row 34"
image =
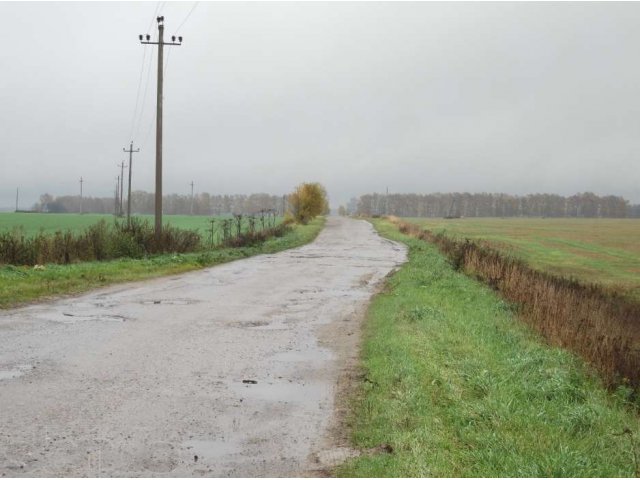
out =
column 135, row 110
column 142, row 67
column 195, row 4
column 193, row 7
column 146, row 137
column 155, row 13
column 146, row 87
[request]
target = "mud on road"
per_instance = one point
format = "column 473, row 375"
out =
column 229, row 371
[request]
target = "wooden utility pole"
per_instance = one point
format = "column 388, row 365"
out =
column 161, row 43
column 81, row 181
column 191, row 209
column 122, row 167
column 17, row 194
column 131, row 152
column 115, row 208
column 386, row 202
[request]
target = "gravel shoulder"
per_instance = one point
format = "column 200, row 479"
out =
column 228, row 371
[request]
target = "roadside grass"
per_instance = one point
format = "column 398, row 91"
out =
column 458, row 387
column 604, row 251
column 20, row 285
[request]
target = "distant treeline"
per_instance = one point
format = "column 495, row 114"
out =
column 174, row 204
column 493, row 205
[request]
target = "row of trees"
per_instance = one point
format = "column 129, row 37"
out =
column 174, row 204
column 492, row 205
column 307, row 201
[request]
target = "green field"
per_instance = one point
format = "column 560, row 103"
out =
column 32, row 223
column 603, row 251
column 458, row 387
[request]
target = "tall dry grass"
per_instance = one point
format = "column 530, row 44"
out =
column 600, row 325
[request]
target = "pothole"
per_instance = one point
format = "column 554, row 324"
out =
column 311, row 355
column 261, row 325
column 210, row 449
column 256, row 323
column 281, row 392
column 78, row 317
column 15, row 372
column 174, row 301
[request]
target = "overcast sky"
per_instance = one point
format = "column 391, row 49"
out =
column 416, row 97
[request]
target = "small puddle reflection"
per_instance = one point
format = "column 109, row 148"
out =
column 78, row 317
column 207, row 450
column 313, row 356
column 17, row 371
column 263, row 325
column 282, row 392
column 175, row 301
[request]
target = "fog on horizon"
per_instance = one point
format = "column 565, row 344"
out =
column 411, row 96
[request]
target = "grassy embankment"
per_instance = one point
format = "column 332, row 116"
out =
column 603, row 251
column 19, row 285
column 459, row 387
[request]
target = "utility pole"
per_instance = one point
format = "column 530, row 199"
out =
column 131, row 152
column 386, row 203
column 115, row 208
column 191, row 210
column 17, row 194
column 121, row 212
column 81, row 181
column 161, row 43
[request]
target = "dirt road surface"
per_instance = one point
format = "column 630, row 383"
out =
column 229, row 371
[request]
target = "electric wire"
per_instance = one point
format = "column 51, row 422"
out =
column 195, row 4
column 159, row 9
column 135, row 109
column 146, row 89
column 193, row 7
column 142, row 67
column 135, row 126
column 155, row 13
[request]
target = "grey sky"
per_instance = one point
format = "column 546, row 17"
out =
column 419, row 97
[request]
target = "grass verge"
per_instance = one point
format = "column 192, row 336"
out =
column 459, row 387
column 20, row 285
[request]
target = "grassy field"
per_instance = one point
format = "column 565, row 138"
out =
column 458, row 387
column 32, row 223
column 603, row 251
column 19, row 285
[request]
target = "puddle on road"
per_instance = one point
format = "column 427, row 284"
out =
column 286, row 392
column 78, row 317
column 312, row 356
column 174, row 301
column 91, row 305
column 263, row 325
column 208, row 450
column 17, row 371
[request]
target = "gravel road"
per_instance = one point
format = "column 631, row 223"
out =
column 228, row 371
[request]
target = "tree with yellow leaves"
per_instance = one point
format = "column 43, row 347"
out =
column 308, row 201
